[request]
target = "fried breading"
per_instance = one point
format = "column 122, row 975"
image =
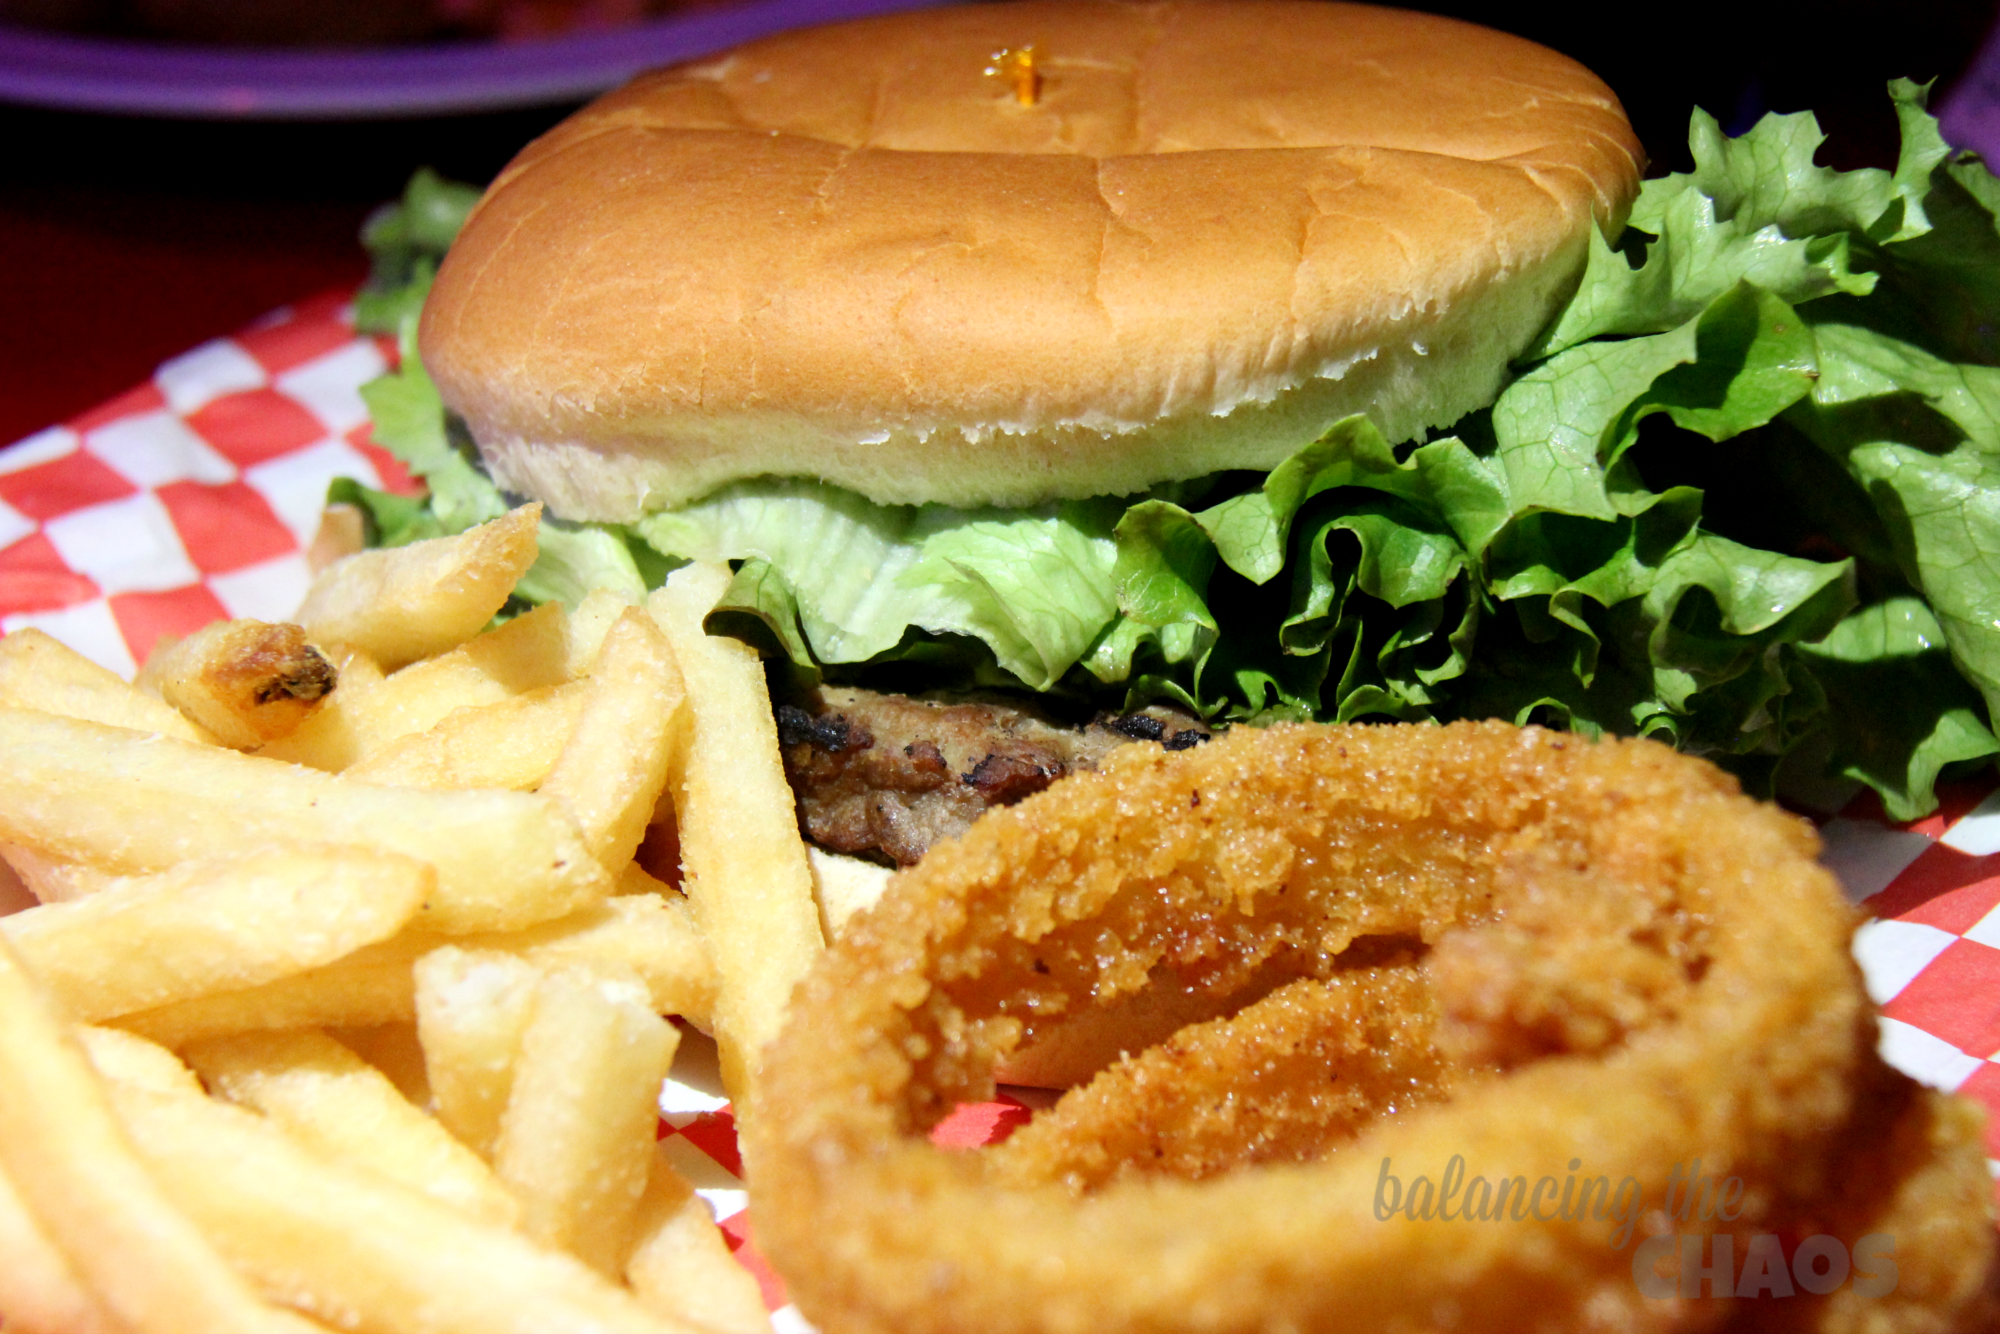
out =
column 1637, row 974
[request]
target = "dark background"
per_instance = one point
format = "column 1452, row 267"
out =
column 124, row 241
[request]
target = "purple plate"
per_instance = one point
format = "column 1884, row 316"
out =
column 224, row 83
column 1970, row 116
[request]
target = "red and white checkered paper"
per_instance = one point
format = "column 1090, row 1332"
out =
column 193, row 496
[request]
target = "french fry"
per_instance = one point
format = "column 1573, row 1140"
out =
column 681, row 1267
column 342, row 532
column 512, row 743
column 404, row 603
column 503, row 859
column 76, row 1172
column 468, row 912
column 215, row 925
column 843, row 886
column 747, row 873
column 39, row 672
column 588, row 624
column 247, row 682
column 654, row 936
column 51, row 879
column 472, row 1008
column 15, row 892
column 39, row 1290
column 369, row 987
column 329, row 739
column 354, row 1249
column 473, row 999
column 129, row 1058
column 528, row 653
column 578, row 1131
column 338, row 1105
column 395, row 1051
column 613, row 769
column 634, row 879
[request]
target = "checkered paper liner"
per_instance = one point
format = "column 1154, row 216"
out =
column 193, row 497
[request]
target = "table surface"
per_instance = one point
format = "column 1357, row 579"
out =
column 123, row 241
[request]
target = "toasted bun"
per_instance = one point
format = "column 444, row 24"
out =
column 849, row 253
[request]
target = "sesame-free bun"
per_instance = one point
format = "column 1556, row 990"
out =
column 849, row 253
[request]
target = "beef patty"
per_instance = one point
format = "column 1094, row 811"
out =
column 886, row 776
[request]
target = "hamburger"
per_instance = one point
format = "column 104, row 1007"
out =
column 1188, row 363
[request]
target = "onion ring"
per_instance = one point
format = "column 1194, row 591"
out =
column 1250, row 1088
column 1632, row 966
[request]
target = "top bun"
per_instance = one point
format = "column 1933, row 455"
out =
column 850, row 253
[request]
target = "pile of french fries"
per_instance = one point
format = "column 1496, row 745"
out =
column 341, row 1004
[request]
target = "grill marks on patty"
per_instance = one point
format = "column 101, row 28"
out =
column 887, row 775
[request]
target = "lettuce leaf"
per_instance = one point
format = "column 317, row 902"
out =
column 1742, row 494
column 405, row 242
column 1035, row 587
column 1899, row 714
column 410, row 421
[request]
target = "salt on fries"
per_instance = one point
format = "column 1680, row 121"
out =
column 341, row 1003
